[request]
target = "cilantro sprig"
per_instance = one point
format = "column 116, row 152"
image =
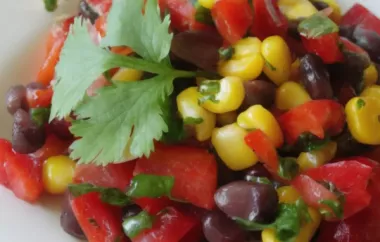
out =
column 125, row 113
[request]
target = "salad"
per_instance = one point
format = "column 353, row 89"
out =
column 204, row 120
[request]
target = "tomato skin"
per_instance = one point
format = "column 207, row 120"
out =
column 54, row 46
column 185, row 164
column 53, row 146
column 232, row 18
column 170, row 226
column 340, row 174
column 326, row 47
column 5, row 149
column 39, row 98
column 268, row 19
column 359, row 15
column 111, row 175
column 24, row 176
column 99, row 221
column 263, row 148
column 154, row 205
column 363, row 226
column 316, row 117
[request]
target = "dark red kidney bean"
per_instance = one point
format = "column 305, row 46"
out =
column 198, row 48
column 15, row 99
column 346, row 31
column 61, row 129
column 217, row 227
column 248, row 200
column 293, row 29
column 257, row 170
column 258, row 92
column 27, row 136
column 87, row 12
column 131, row 210
column 369, row 40
column 342, row 74
column 320, row 5
column 315, row 77
column 348, row 146
column 68, row 220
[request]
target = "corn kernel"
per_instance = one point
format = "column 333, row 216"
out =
column 290, row 95
column 58, row 172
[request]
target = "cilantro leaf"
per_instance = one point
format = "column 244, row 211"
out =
column 145, row 33
column 143, row 185
column 108, row 118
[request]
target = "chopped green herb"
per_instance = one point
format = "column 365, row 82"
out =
column 133, row 226
column 51, row 5
column 203, row 15
column 192, row 121
column 310, row 142
column 317, row 25
column 226, row 53
column 335, row 206
column 288, row 168
column 360, row 103
column 40, row 115
column 268, row 64
column 208, row 90
column 153, row 186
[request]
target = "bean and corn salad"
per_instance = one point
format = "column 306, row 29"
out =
column 204, row 120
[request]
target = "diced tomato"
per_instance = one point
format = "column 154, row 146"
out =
column 54, row 46
column 263, row 148
column 362, row 227
column 359, row 15
column 326, row 47
column 153, row 205
column 341, row 175
column 232, row 18
column 268, row 19
column 316, row 117
column 112, row 175
column 102, row 7
column 350, row 48
column 169, row 226
column 101, row 25
column 39, row 98
column 53, row 146
column 99, row 221
column 185, row 164
column 5, row 149
column 24, row 176
column 182, row 15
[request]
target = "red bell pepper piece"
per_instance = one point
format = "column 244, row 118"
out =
column 154, row 205
column 99, row 221
column 350, row 48
column 111, row 175
column 169, row 226
column 232, row 18
column 53, row 146
column 54, row 46
column 341, row 175
column 268, row 19
column 325, row 46
column 360, row 15
column 5, row 149
column 263, row 148
column 39, row 98
column 24, row 176
column 316, row 117
column 363, row 226
column 184, row 164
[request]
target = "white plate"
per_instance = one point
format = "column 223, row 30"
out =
column 24, row 25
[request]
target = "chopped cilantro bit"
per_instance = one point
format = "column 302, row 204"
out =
column 288, row 168
column 208, row 90
column 335, row 206
column 51, row 5
column 40, row 115
column 133, row 226
column 360, row 103
column 269, row 65
column 203, row 15
column 143, row 185
column 226, row 53
column 192, row 121
column 317, row 25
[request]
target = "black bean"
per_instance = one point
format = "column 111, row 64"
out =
column 61, row 129
column 248, row 200
column 342, row 74
column 131, row 210
column 27, row 136
column 320, row 5
column 15, row 99
column 369, row 40
column 217, row 227
column 258, row 92
column 293, row 29
column 315, row 77
column 87, row 12
column 346, row 31
column 348, row 146
column 69, row 222
column 255, row 171
column 198, row 47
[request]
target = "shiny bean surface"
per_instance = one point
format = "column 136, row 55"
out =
column 256, row 171
column 131, row 210
column 248, row 200
column 27, row 136
column 198, row 48
column 87, row 12
column 15, row 98
column 217, row 227
column 348, row 146
column 315, row 77
column 258, row 92
column 320, row 5
column 68, row 221
column 369, row 40
column 61, row 129
column 346, row 31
